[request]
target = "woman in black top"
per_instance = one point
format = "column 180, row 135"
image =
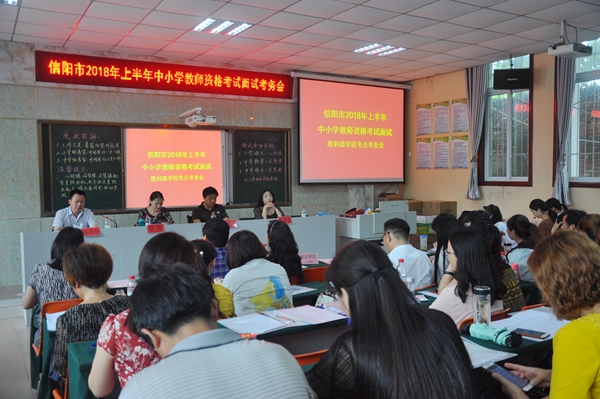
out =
column 265, row 206
column 392, row 349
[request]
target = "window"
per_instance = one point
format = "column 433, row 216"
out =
column 506, row 149
column 584, row 143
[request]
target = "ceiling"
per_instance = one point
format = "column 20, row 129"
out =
column 308, row 35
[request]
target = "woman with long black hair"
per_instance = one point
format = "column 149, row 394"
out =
column 443, row 225
column 392, row 349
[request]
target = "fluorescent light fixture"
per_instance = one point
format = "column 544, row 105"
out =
column 222, row 27
column 239, row 29
column 11, row 2
column 379, row 50
column 201, row 26
column 396, row 50
column 367, row 48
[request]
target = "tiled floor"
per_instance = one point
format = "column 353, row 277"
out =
column 14, row 360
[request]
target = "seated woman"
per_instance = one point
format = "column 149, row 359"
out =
column 590, row 227
column 265, row 206
column 497, row 220
column 206, row 260
column 513, row 298
column 566, row 267
column 546, row 216
column 284, row 250
column 526, row 235
column 47, row 282
column 443, row 225
column 154, row 213
column 470, row 266
column 120, row 352
column 87, row 269
column 392, row 338
column 256, row 283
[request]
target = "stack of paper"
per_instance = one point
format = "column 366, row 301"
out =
column 532, row 320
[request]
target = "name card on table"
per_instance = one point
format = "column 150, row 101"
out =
column 232, row 223
column 285, row 219
column 155, row 228
column 309, row 259
column 91, row 231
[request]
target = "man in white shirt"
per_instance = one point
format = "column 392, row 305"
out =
column 75, row 215
column 395, row 239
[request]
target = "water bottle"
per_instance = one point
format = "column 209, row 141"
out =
column 131, row 285
column 402, row 268
column 515, row 267
column 303, row 212
column 106, row 222
column 503, row 256
column 213, row 215
column 410, row 284
column 482, row 311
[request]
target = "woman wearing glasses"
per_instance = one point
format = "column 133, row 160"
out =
column 470, row 266
column 392, row 348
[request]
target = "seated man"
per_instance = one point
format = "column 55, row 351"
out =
column 75, row 215
column 395, row 240
column 209, row 209
column 175, row 310
column 216, row 231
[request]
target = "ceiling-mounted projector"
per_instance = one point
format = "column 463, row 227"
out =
column 195, row 117
column 570, row 50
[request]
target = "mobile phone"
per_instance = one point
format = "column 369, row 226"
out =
column 518, row 381
column 531, row 333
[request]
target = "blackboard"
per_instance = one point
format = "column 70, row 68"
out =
column 260, row 161
column 85, row 157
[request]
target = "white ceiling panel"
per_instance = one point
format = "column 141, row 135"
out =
column 266, row 33
column 285, row 48
column 8, row 13
column 358, row 68
column 353, row 58
column 83, row 36
column 116, row 12
column 471, row 51
column 34, row 30
column 225, row 52
column 345, row 44
column 413, row 65
column 322, row 53
column 543, row 33
column 186, row 48
column 439, row 69
column 532, row 48
column 245, row 43
column 150, row 32
column 441, row 59
column 589, row 20
column 61, row 6
column 143, row 43
column 482, row 3
column 465, row 63
column 381, row 61
column 214, row 61
column 442, row 30
column 146, row 4
column 307, row 39
column 410, row 41
column 286, row 20
column 516, row 25
column 202, row 38
column 403, row 6
column 406, row 23
column 5, row 36
column 411, row 55
column 240, row 13
column 443, row 10
column 48, row 18
column 276, row 5
column 564, row 11
column 102, row 25
column 7, row 26
column 364, row 16
column 476, row 36
column 481, row 18
column 175, row 54
column 299, row 60
column 170, row 20
column 133, row 50
column 331, row 64
column 319, row 8
column 334, row 28
column 441, row 46
column 45, row 41
column 375, row 35
column 190, row 7
column 524, row 7
column 507, row 42
column 90, row 46
column 264, row 56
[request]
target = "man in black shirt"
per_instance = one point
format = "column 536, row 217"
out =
column 209, row 207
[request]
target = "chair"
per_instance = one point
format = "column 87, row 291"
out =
column 310, row 358
column 499, row 315
column 189, row 219
column 539, row 305
column 35, row 360
column 311, row 274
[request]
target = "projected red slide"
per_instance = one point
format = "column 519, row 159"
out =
column 350, row 133
column 178, row 163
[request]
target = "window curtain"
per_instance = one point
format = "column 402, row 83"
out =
column 565, row 85
column 477, row 84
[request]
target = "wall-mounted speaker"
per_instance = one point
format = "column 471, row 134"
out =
column 511, row 79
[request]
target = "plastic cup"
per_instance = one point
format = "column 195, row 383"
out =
column 423, row 241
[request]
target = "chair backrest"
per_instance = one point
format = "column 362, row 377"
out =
column 311, row 274
column 55, row 307
column 499, row 315
column 310, row 358
column 189, row 219
column 539, row 305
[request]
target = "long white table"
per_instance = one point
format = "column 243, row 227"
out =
column 313, row 235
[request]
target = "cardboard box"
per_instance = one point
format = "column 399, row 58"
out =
column 437, row 207
column 390, row 197
column 415, row 240
column 415, row 205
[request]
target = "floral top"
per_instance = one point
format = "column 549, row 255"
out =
column 163, row 216
column 131, row 353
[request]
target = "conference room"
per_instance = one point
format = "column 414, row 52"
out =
column 433, row 155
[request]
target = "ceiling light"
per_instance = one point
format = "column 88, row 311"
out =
column 203, row 25
column 396, row 50
column 379, row 50
column 11, row 2
column 221, row 27
column 239, row 29
column 367, row 48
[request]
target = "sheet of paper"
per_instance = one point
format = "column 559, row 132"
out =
column 51, row 320
column 298, row 289
column 309, row 314
column 532, row 320
column 326, row 260
column 480, row 355
column 118, row 283
column 254, row 323
column 429, row 293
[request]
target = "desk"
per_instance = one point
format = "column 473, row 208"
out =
column 81, row 356
column 309, row 298
column 46, row 385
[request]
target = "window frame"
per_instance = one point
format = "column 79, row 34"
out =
column 482, row 157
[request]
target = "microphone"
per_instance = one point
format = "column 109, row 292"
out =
column 113, row 220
